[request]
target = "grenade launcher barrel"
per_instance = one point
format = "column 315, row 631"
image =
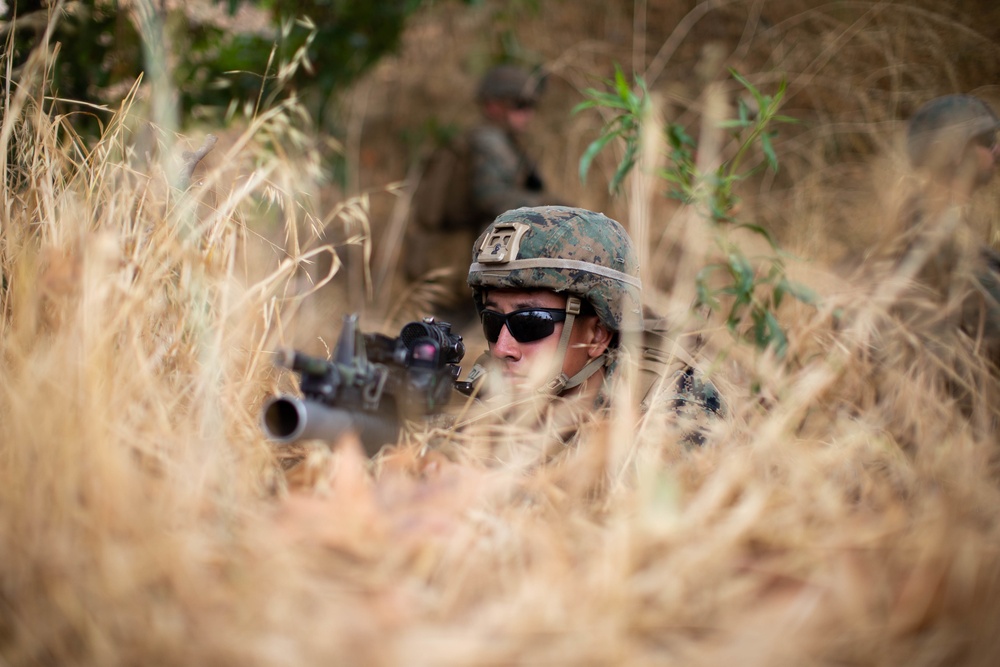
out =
column 287, row 419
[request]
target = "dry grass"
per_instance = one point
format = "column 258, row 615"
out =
column 845, row 514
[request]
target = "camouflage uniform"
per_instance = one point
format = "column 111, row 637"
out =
column 589, row 257
column 468, row 183
column 958, row 274
column 502, row 176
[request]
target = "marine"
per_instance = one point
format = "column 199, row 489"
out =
column 469, row 181
column 558, row 293
column 952, row 147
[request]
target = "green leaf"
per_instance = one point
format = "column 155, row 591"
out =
column 765, row 145
column 775, row 335
column 678, row 137
column 588, row 104
column 593, row 149
column 757, row 229
column 624, row 167
column 801, row 292
column 607, row 100
column 621, row 85
column 705, row 294
column 782, row 87
column 733, row 123
column 762, row 103
column 741, row 270
column 735, row 317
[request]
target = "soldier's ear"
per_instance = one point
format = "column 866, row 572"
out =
column 600, row 338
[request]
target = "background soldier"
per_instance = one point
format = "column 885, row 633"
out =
column 939, row 277
column 470, row 181
column 953, row 141
column 503, row 176
column 952, row 146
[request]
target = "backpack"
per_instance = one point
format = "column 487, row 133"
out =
column 442, row 199
column 440, row 231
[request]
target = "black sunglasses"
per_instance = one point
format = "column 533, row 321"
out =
column 525, row 325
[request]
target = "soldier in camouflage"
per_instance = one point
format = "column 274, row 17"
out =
column 953, row 139
column 469, row 181
column 557, row 288
column 502, row 176
column 952, row 146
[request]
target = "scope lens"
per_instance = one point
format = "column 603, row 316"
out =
column 425, row 351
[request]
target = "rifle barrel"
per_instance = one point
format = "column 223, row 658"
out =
column 288, row 419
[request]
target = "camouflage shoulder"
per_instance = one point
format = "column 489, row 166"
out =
column 488, row 139
column 691, row 402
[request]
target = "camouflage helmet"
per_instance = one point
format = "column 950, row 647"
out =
column 510, row 83
column 940, row 130
column 571, row 251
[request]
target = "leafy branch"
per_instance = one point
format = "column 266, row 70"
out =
column 631, row 108
column 754, row 289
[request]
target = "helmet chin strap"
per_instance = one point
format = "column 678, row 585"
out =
column 562, row 382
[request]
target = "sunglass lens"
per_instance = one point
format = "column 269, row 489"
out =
column 529, row 326
column 492, row 324
column 525, row 326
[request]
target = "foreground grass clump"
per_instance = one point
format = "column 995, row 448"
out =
column 847, row 514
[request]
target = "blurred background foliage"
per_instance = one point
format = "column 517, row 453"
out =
column 384, row 81
column 222, row 59
column 228, row 52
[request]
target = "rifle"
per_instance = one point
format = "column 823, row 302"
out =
column 372, row 386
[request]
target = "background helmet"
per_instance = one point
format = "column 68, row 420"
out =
column 940, row 130
column 510, row 83
column 571, row 251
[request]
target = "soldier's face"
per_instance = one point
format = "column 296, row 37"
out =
column 515, row 116
column 988, row 158
column 528, row 364
column 986, row 155
column 519, row 116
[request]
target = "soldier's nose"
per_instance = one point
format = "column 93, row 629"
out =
column 506, row 347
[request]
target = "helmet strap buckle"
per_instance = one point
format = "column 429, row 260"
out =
column 555, row 385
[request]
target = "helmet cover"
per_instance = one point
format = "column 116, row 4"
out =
column 567, row 250
column 510, row 83
column 939, row 131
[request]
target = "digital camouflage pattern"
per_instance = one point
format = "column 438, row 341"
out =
column 571, row 251
column 510, row 83
column 465, row 184
column 582, row 253
column 695, row 404
column 673, row 390
column 501, row 176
